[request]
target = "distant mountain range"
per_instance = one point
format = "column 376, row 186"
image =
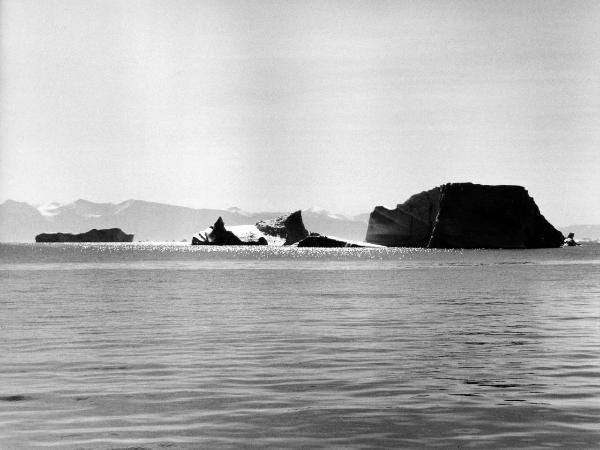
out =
column 583, row 232
column 149, row 221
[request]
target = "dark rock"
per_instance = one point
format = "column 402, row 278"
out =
column 107, row 235
column 570, row 241
column 13, row 398
column 464, row 215
column 290, row 227
column 324, row 241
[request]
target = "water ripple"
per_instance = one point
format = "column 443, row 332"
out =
column 145, row 346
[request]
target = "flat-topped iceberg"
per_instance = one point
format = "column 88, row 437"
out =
column 106, row 235
column 464, row 215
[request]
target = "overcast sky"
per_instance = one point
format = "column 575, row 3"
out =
column 284, row 105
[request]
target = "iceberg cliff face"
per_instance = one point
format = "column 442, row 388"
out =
column 107, row 235
column 409, row 225
column 290, row 228
column 464, row 215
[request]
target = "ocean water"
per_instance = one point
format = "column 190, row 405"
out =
column 155, row 346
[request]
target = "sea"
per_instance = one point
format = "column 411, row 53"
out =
column 164, row 345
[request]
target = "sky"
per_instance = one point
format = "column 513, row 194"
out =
column 281, row 105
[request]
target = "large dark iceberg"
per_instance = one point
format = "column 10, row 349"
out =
column 107, row 235
column 464, row 215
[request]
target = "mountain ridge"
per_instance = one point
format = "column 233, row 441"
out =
column 149, row 221
column 583, row 232
column 21, row 221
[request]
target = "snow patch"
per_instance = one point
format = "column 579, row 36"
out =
column 49, row 209
column 252, row 233
column 324, row 213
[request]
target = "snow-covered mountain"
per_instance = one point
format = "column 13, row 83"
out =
column 21, row 222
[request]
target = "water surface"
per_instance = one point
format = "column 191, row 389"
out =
column 157, row 346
